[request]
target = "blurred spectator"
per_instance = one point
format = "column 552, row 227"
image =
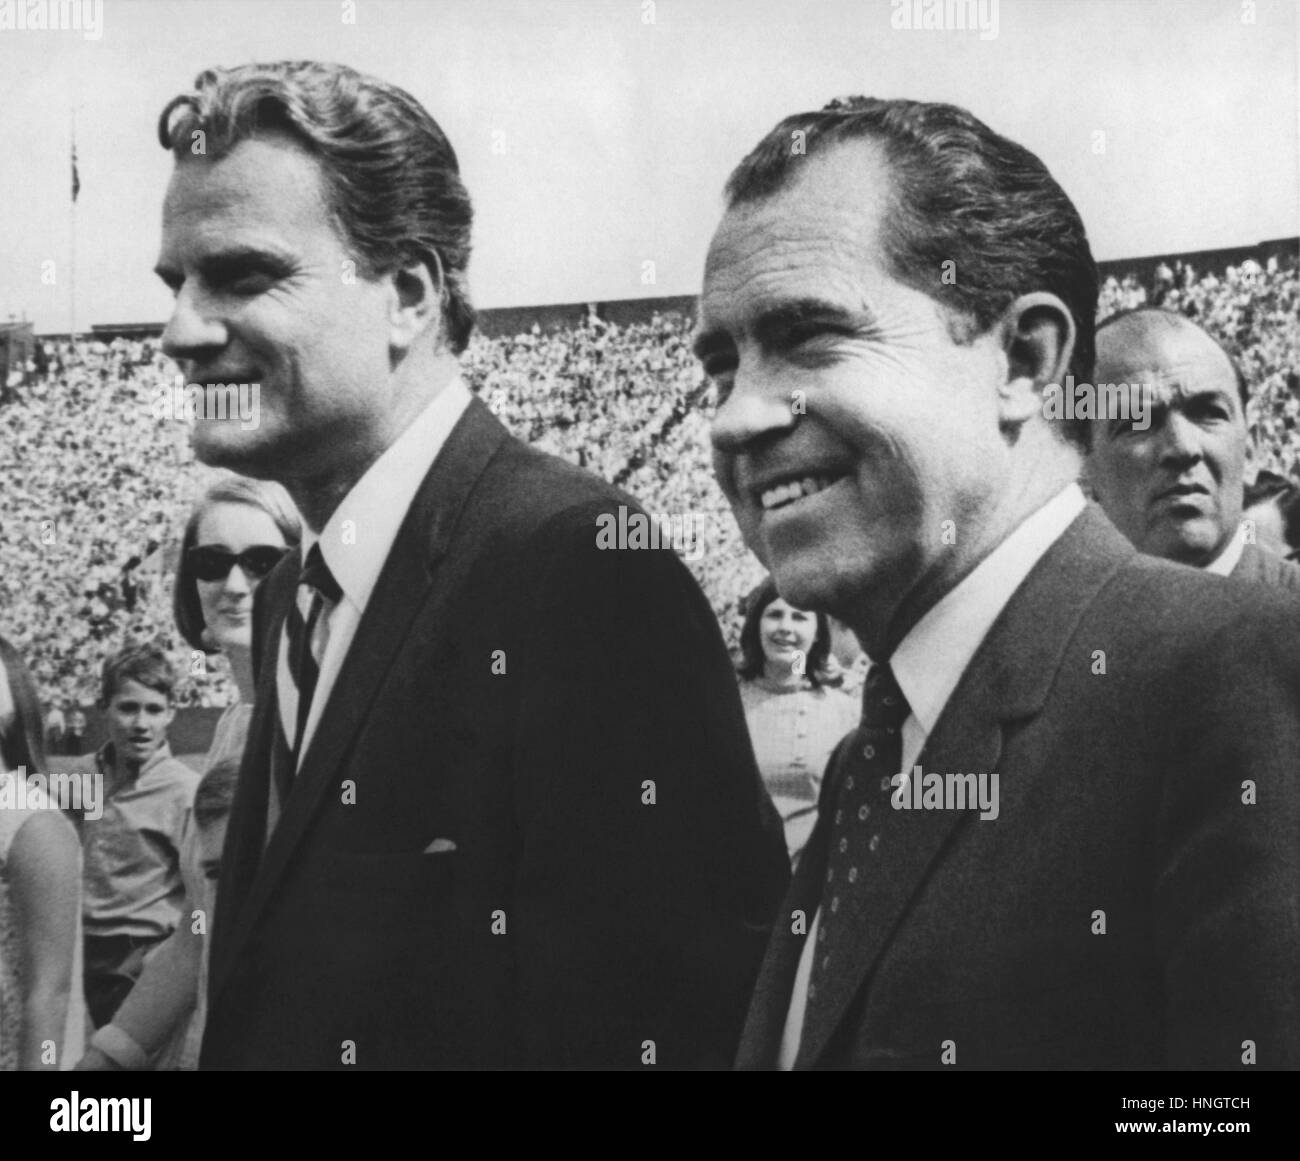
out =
column 1272, row 513
column 55, row 728
column 75, row 740
column 848, row 660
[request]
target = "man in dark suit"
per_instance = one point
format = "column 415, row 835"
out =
column 498, row 806
column 1175, row 483
column 1067, row 832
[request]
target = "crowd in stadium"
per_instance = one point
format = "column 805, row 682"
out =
column 97, row 485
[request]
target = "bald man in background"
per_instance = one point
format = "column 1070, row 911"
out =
column 1175, row 488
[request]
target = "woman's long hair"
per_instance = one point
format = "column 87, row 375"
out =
column 752, row 658
column 22, row 732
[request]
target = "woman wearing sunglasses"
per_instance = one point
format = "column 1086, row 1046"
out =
column 238, row 531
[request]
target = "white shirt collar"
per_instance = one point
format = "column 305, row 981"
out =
column 359, row 536
column 1230, row 557
column 930, row 660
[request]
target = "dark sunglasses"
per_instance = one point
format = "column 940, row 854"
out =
column 213, row 564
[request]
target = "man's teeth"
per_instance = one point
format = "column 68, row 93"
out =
column 794, row 490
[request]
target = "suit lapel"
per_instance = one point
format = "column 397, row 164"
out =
column 246, row 833
column 1006, row 682
column 405, row 584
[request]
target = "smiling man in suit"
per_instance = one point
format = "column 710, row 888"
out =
column 1066, row 833
column 498, row 807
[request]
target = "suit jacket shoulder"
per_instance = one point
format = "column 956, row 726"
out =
column 1263, row 567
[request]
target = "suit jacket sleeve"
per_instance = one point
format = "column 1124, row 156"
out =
column 652, row 859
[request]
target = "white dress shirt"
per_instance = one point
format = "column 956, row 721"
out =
column 1230, row 557
column 929, row 662
column 356, row 542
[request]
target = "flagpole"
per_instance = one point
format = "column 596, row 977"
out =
column 72, row 223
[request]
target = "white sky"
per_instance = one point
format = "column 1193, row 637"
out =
column 619, row 133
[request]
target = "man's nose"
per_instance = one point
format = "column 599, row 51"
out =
column 756, row 408
column 192, row 331
column 1180, row 439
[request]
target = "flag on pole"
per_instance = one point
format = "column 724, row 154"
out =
column 76, row 181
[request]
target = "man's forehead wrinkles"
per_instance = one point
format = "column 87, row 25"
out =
column 1182, row 380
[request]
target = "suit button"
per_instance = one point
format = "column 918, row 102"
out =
column 844, row 845
column 812, row 991
column 874, row 843
column 835, row 903
column 853, row 874
column 848, row 782
column 830, row 875
column 885, row 783
column 863, row 811
column 821, row 935
column 839, row 817
column 868, row 752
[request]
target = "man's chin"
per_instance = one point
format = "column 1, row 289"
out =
column 219, row 447
column 1194, row 543
column 803, row 585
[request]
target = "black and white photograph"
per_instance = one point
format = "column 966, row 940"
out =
column 650, row 535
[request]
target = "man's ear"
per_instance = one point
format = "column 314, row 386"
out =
column 416, row 305
column 1038, row 335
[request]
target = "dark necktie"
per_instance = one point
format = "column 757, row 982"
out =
column 869, row 769
column 317, row 588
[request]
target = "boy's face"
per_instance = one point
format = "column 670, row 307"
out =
column 138, row 718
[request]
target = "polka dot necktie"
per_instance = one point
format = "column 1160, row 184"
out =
column 869, row 768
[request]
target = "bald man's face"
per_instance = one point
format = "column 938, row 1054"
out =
column 1175, row 488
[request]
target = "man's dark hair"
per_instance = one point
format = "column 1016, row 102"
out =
column 961, row 194
column 146, row 664
column 1173, row 318
column 391, row 174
